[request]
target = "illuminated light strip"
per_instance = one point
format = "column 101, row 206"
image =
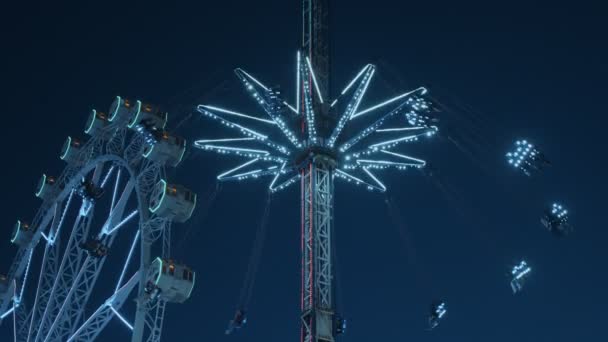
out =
column 388, row 142
column 343, row 174
column 65, row 210
column 287, row 183
column 371, row 128
column 10, row 311
column 121, row 318
column 115, row 190
column 231, row 112
column 244, row 130
column 250, row 131
column 314, row 79
column 290, row 107
column 422, row 91
column 308, row 110
column 123, row 222
column 351, row 109
column 249, row 173
column 222, row 140
column 404, row 156
column 124, row 269
column 253, row 79
column 271, row 187
column 375, row 178
column 399, row 129
column 50, row 241
column 105, row 180
column 355, row 79
column 299, row 61
column 236, row 149
column 237, row 168
column 334, row 103
column 383, row 162
column 27, row 272
column 526, row 271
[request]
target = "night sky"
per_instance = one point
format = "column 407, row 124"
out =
column 528, row 70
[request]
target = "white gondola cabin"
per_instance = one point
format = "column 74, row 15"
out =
column 149, row 116
column 70, row 149
column 172, row 200
column 46, row 187
column 122, row 109
column 23, row 234
column 168, row 149
column 97, row 121
column 172, row 282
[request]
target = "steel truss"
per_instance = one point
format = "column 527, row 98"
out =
column 317, row 216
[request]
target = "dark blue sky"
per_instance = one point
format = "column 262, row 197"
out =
column 535, row 70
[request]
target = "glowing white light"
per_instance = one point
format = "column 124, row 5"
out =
column 271, row 186
column 290, row 107
column 27, row 272
column 252, row 78
column 124, row 269
column 10, row 311
column 232, row 124
column 400, row 129
column 121, row 318
column 334, row 103
column 404, row 156
column 353, row 105
column 387, row 102
column 123, row 222
column 390, row 142
column 356, row 78
column 314, row 79
column 235, row 149
column 237, row 168
column 299, row 62
column 107, row 177
column 374, row 178
column 231, row 112
column 202, row 142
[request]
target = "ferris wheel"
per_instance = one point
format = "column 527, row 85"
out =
column 97, row 253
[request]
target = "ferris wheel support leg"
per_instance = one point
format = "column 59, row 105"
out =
column 69, row 268
column 91, row 328
column 48, row 270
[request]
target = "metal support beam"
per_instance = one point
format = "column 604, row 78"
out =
column 317, row 215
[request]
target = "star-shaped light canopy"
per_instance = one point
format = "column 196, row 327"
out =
column 358, row 141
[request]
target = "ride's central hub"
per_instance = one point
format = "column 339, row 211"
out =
column 318, row 154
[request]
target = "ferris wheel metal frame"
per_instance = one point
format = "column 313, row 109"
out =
column 119, row 156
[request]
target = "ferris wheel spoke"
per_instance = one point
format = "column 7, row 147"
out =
column 116, row 184
column 128, row 261
column 118, row 210
column 107, row 177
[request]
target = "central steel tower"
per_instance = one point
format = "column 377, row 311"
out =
column 317, row 183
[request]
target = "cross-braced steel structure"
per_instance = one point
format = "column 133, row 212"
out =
column 324, row 138
column 102, row 208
